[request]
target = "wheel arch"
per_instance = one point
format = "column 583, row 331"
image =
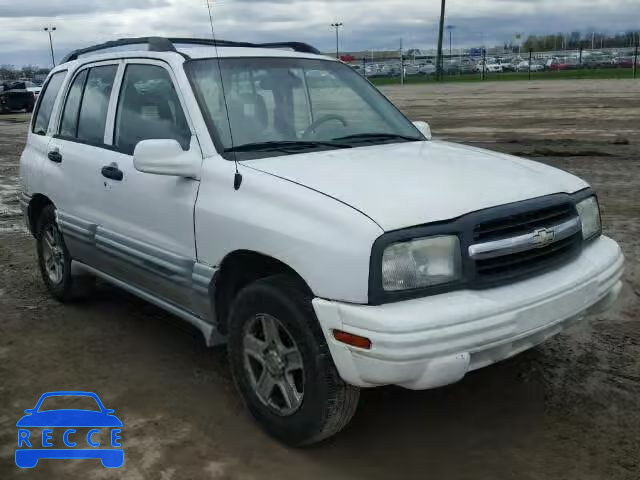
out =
column 36, row 205
column 237, row 270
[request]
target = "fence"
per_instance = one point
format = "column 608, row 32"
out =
column 616, row 62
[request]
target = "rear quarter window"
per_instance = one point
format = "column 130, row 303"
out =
column 47, row 101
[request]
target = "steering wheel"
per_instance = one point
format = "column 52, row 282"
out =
column 324, row 119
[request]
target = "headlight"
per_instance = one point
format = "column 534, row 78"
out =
column 421, row 263
column 590, row 217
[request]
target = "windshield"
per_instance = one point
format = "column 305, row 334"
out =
column 282, row 106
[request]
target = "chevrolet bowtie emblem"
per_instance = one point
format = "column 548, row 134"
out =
column 543, row 237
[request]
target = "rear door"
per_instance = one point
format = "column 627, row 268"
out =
column 76, row 155
column 42, row 129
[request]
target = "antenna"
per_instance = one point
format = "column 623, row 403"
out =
column 213, row 35
column 237, row 178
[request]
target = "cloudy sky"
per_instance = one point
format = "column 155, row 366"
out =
column 370, row 24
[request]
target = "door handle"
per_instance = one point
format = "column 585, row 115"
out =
column 55, row 156
column 113, row 172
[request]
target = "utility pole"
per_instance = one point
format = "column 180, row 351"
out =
column 635, row 58
column 401, row 64
column 440, row 34
column 49, row 30
column 337, row 26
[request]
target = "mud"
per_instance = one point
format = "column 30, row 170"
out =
column 569, row 409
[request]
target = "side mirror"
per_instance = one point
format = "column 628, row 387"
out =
column 166, row 157
column 29, row 411
column 424, row 129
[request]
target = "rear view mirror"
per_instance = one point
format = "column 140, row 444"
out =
column 166, row 157
column 424, row 129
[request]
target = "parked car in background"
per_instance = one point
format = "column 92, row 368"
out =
column 428, row 69
column 566, row 63
column 18, row 96
column 33, row 87
column 623, row 62
column 524, row 67
column 411, row 70
column 451, row 67
column 507, row 66
column 493, row 68
column 598, row 61
column 371, row 70
column 389, row 70
column 467, row 67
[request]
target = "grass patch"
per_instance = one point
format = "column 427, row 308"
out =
column 601, row 73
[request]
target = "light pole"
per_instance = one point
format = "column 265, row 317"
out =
column 337, row 26
column 49, row 30
column 440, row 34
column 450, row 28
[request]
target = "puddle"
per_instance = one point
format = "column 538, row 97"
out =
column 9, row 204
column 10, row 210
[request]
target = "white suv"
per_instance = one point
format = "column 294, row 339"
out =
column 277, row 201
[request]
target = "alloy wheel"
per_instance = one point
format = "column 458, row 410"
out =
column 53, row 254
column 273, row 364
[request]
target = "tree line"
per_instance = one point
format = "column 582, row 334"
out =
column 11, row 72
column 578, row 40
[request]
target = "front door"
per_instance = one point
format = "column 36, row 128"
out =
column 147, row 220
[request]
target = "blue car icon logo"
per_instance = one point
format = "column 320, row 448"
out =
column 29, row 452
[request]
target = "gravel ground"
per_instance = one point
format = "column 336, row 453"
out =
column 569, row 409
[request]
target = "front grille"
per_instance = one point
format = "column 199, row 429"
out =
column 505, row 268
column 509, row 267
column 523, row 223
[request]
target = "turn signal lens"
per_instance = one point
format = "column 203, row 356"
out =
column 351, row 339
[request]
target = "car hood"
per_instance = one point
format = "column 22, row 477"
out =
column 406, row 184
column 69, row 418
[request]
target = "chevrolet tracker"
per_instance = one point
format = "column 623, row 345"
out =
column 276, row 200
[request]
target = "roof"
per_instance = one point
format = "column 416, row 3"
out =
column 214, row 52
column 194, row 47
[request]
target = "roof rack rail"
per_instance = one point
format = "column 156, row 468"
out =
column 161, row 44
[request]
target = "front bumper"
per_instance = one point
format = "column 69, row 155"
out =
column 434, row 341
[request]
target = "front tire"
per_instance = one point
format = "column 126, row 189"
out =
column 281, row 363
column 55, row 262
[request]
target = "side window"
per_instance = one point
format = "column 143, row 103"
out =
column 47, row 100
column 69, row 123
column 149, row 108
column 95, row 104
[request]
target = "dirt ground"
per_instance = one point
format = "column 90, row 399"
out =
column 569, row 409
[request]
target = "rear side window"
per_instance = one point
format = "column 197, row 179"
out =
column 149, row 108
column 47, row 100
column 85, row 111
column 95, row 104
column 69, row 123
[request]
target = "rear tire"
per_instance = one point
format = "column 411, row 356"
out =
column 326, row 402
column 55, row 261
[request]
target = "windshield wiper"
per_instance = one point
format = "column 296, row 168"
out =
column 285, row 145
column 374, row 137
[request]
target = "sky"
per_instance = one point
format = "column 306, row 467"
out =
column 368, row 25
